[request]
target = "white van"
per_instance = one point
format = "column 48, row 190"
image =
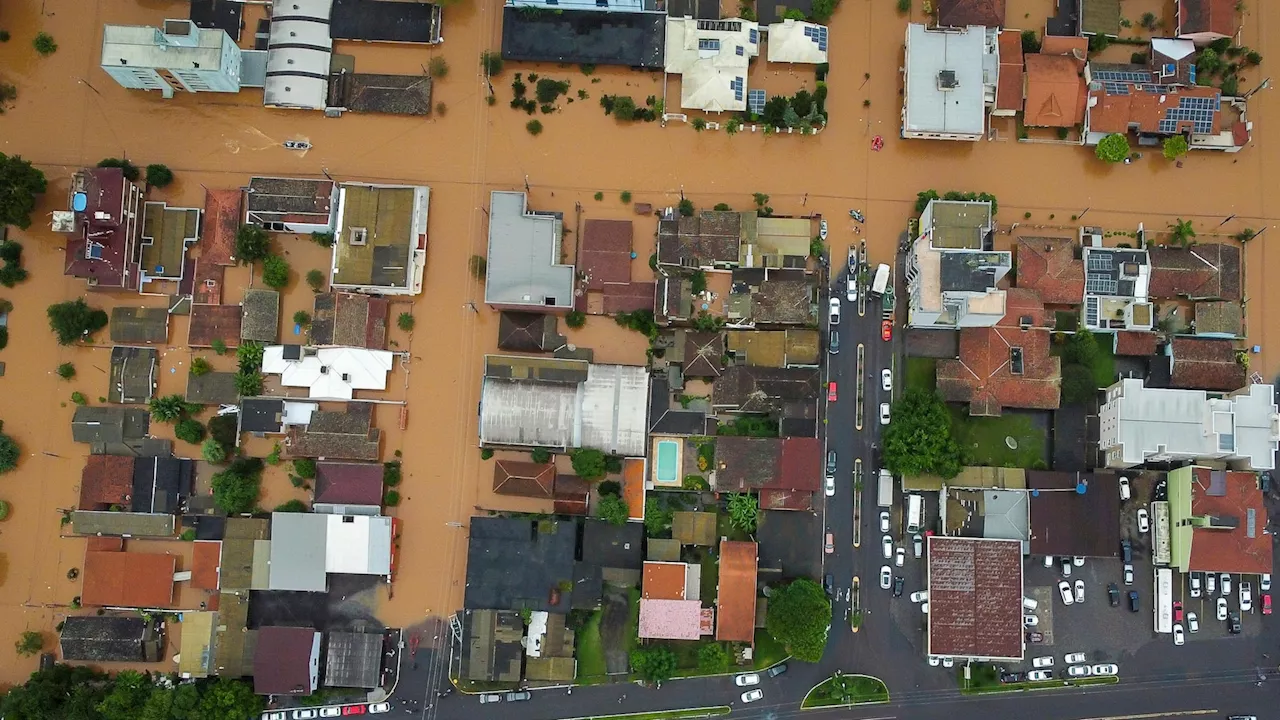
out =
column 915, row 513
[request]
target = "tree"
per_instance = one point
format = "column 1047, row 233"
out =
column 1209, row 62
column 624, row 108
column 438, row 66
column 228, row 699
column 798, row 617
column 391, row 498
column 588, row 463
column 1081, row 349
column 657, row 516
column 170, row 408
column 304, row 468
column 323, row 239
column 9, row 452
column 1078, row 386
column 713, row 658
column 405, row 322
column 44, row 44
column 491, row 62
column 1181, row 232
column 223, row 429
column 159, row 175
column 315, row 279
column 189, row 430
column 252, row 244
column 62, row 692
column 699, row 124
column 391, row 473
column 904, row 6
column 248, row 382
column 534, row 127
column 128, row 169
column 128, row 696
column 613, row 510
column 302, row 318
column 200, row 366
column 1030, row 42
column 30, row 643
column 654, row 664
column 236, row 489
column 20, row 183
column 275, row 272
column 1113, row 148
column 1175, row 147
column 822, row 10
column 212, row 451
column 733, row 126
column 249, row 356
column 66, row 371
column 760, row 199
column 575, row 319
column 686, row 207
column 919, row 440
column 292, row 506
column 74, row 319
column 744, row 510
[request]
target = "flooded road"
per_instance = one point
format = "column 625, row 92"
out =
column 69, row 114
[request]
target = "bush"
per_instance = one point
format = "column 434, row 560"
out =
column 66, row 371
column 78, row 398
column 304, row 468
column 302, row 318
column 236, row 489
column 315, row 279
column 5, row 508
column 218, row 346
column 252, row 244
column 438, row 67
column 74, row 319
column 540, row 455
column 613, row 510
column 291, row 506
column 391, row 473
column 1030, row 42
column 624, row 108
column 904, row 6
column 248, row 383
column 31, row 642
column 575, row 319
column 547, row 90
column 599, row 196
column 22, row 182
column 170, row 408
column 200, row 366
column 588, row 464
column 391, row 498
column 534, row 127
column 275, row 272
column 189, row 431
column 323, row 239
column 655, row 664
column 249, row 356
column 212, row 451
column 686, row 207
column 699, row 124
column 223, row 429
column 4, row 337
column 44, row 44
column 491, row 62
column 625, row 196
column 405, row 321
column 712, row 657
column 159, row 175
column 9, row 452
column 486, row 453
column 128, row 169
column 609, row 487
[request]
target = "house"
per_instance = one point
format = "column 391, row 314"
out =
column 292, row 205
column 707, row 240
column 785, row 471
column 783, row 550
column 106, row 481
column 133, row 374
column 776, row 242
column 975, row 598
column 111, row 430
column 1100, row 17
column 1136, row 344
column 528, row 333
column 261, row 319
column 1205, row 364
column 1009, row 85
column 616, row 549
column 206, row 561
column 1174, row 60
column 114, row 578
column 299, row 56
column 950, row 77
column 1135, row 99
column 1202, row 272
column 1219, row 319
column 670, row 581
column 349, row 320
column 789, row 395
column 492, row 646
column 381, row 241
column 161, row 484
column 674, row 620
column 237, row 572
column 529, row 401
column 122, row 523
column 1008, row 364
column 992, row 514
column 524, row 479
column 604, row 264
column 634, row 492
column 549, row 649
column 197, row 637
column 219, row 224
column 306, row 547
column 1068, row 523
column 167, row 233
column 525, row 268
column 952, row 275
column 519, row 563
column 103, row 228
column 353, row 660
column 349, row 483
column 796, row 41
column 333, row 373
column 712, row 58
column 789, row 348
column 736, row 592
column 662, row 550
column 668, row 417
column 287, row 661
column 233, row 645
column 176, row 57
column 1139, row 424
column 393, row 22
column 573, row 494
column 1055, row 92
column 111, row 638
column 1218, row 522
column 628, row 38
column 347, row 435
column 214, row 323
column 273, row 416
column 1116, row 287
column 139, row 325
column 1203, row 21
column 772, row 297
column 962, row 13
column 694, row 528
column 703, row 353
column 1051, row 267
column 213, row 388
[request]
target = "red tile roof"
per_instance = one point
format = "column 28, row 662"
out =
column 206, row 564
column 605, row 254
column 525, row 479
column 210, row 322
column 349, row 483
column 128, row 579
column 1206, row 364
column 983, row 375
column 1207, row 16
column 975, row 597
column 1114, row 113
column 633, row 474
column 1051, row 267
column 206, row 288
column 959, row 13
column 1210, row 271
column 572, row 493
column 736, row 598
column 221, row 222
column 663, row 581
column 1075, row 46
column 800, row 465
column 1009, row 88
column 105, row 481
column 786, row 500
column 628, row 297
column 1055, row 91
column 1139, row 344
column 1225, row 548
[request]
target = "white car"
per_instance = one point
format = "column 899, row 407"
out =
column 822, row 230
column 948, row 662
column 1264, row 584
column 884, row 413
column 919, row 596
column 304, row 714
column 1078, row 671
column 1144, row 520
column 884, row 521
column 1106, row 669
column 1064, row 589
column 1210, row 583
column 380, row 707
column 918, row 542
column 1038, row 675
column 1124, row 488
column 330, row 712
column 1128, row 574
column 1043, row 662
column 831, row 486
column 924, row 608
column 1194, row 582
column 886, row 379
column 280, row 715
column 746, row 680
column 1193, row 622
column 490, row 698
column 835, row 311
column 1246, row 597
column 1224, row 582
column 886, row 577
column 900, row 557
column 1030, row 620
column 1075, row 659
column 1078, row 561
column 886, row 546
column 934, row 661
column 751, row 696
column 1030, row 603
column 1066, row 567
column 1179, row 637
column 1079, row 591
column 1222, row 608
column 851, row 289
column 1048, row 561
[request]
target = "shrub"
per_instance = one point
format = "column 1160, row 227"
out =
column 212, row 451
column 275, row 272
column 624, row 108
column 405, row 321
column 4, row 337
column 534, row 127
column 252, row 244
column 625, row 196
column 904, row 6
column 547, row 90
column 9, row 452
column 609, row 487
column 30, row 642
column 248, row 383
column 302, row 318
column 223, row 429
column 575, row 319
column 200, row 366
column 722, row 207
column 686, row 207
column 486, row 453
column 323, row 239
column 128, row 169
column 699, row 124
column 66, row 371
column 189, row 431
column 391, row 498
column 441, row 108
column 291, row 506
column 170, row 408
column 438, row 66
column 236, row 489
column 1030, row 41
column 249, row 356
column 598, row 196
column 218, row 346
column 491, row 62
column 44, row 44
column 315, row 279
column 5, row 507
column 79, row 399
column 304, row 468
column 613, row 510
column 478, row 266
column 159, row 175
column 391, row 473
column 11, row 274
column 74, row 319
column 540, row 455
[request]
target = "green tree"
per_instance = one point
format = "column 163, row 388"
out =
column 1078, row 386
column 540, row 455
column 713, row 658
column 534, row 127
column 657, row 516
column 9, row 452
column 159, row 175
column 315, row 279
column 128, row 696
column 624, row 108
column 613, row 509
column 588, row 463
column 212, row 451
column 1081, row 349
column 744, row 511
column 74, row 319
column 20, row 183
column 822, row 10
column 228, row 699
column 252, row 244
column 66, row 371
column 391, row 473
column 200, row 366
column 733, row 127
column 29, row 643
column 1113, row 148
column 44, row 44
column 302, row 318
column 654, row 664
column 128, row 169
column 170, row 408
column 1175, row 147
column 304, row 468
column 248, row 383
column 1181, row 232
column 798, row 617
column 391, row 498
column 62, row 692
column 699, row 124
column 291, row 506
column 323, row 239
column 405, row 322
column 491, row 61
column 686, row 207
column 919, row 440
column 275, row 272
column 249, row 356
column 189, row 430
column 438, row 66
column 223, row 429
column 236, row 489
column 575, row 319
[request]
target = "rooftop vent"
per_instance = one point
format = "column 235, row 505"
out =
column 359, row 236
column 947, row 80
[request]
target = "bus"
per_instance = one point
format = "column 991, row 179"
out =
column 881, row 280
column 1164, row 600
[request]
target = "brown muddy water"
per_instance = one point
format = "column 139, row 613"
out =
column 69, row 114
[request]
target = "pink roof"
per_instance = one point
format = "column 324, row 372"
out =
column 671, row 619
column 101, row 248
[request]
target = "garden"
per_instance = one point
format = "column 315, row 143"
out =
column 846, row 690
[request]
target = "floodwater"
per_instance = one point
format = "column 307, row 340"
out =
column 69, row 114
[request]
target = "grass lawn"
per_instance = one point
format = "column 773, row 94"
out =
column 982, row 440
column 768, row 651
column 846, row 690
column 922, row 373
column 1104, row 368
column 710, row 576
column 633, row 620
column 590, row 651
column 670, row 714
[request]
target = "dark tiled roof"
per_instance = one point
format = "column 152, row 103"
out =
column 1067, row 523
column 221, row 222
column 349, row 483
column 628, row 297
column 210, row 322
column 1009, row 88
column 703, row 353
column 1207, row 16
column 1051, row 267
column 764, row 390
column 1219, row 317
column 959, row 13
column 518, row 563
column 613, row 546
column 585, row 36
column 90, row 638
column 605, row 253
column 1210, row 272
column 1133, row 343
column 134, row 325
column 1204, row 364
column 528, row 332
column 212, row 388
column 712, row 237
column 105, row 481
column 975, row 597
column 525, row 479
column 261, row 320
column 282, row 662
column 349, row 319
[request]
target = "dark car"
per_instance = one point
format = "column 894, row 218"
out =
column 831, row 462
column 1133, row 600
column 1233, row 623
column 1012, row 677
column 829, row 583
column 1126, row 551
column 1035, row 637
column 776, row 670
column 897, row 585
column 833, row 345
column 47, row 661
column 1113, row 594
column 1264, row 482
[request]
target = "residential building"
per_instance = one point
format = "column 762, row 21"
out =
column 975, row 598
column 1221, row 319
column 1218, row 522
column 524, row 479
column 122, row 524
column 963, row 13
column 292, row 205
column 347, row 435
column 1212, row 364
column 525, row 269
column 671, row 581
column 1203, row 21
column 1139, row 424
column 694, row 528
column 299, row 50
column 604, row 265
column 492, row 646
column 103, row 228
column 674, row 620
column 167, row 233
column 786, row 472
column 349, row 320
column 1066, row 522
column 607, row 6
column 1115, row 286
column 114, row 578
column 273, row 416
column 133, row 372
column 519, row 563
column 1209, row 271
column 796, row 41
column 764, row 297
column 333, row 373
column 176, row 57
column 139, row 326
column 260, row 321
column 114, row 431
column 353, row 660
column 736, row 592
column 952, row 275
column 1053, row 268
column 306, row 547
column 215, row 322
column 197, row 637
column 527, row 332
column 1173, row 60
column 790, row 348
column 712, row 57
column 783, row 552
column 626, row 38
column 776, row 242
column 349, row 483
column 378, row 21
column 549, row 649
column 950, row 77
column 1100, row 17
column 381, row 241
column 788, row 395
column 1055, row 93
column 111, row 638
column 287, row 661
column 708, row 240
column 1009, row 83
column 615, row 549
column 703, row 353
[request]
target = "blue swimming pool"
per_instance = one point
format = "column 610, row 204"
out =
column 668, row 453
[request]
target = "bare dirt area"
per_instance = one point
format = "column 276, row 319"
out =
column 69, row 114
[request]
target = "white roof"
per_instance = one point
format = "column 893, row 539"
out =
column 305, row 547
column 334, row 373
column 142, row 46
column 1173, row 48
column 929, row 108
column 298, row 52
column 794, row 41
column 711, row 56
column 358, row 545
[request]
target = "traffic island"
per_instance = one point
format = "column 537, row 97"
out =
column 984, row 679
column 846, row 690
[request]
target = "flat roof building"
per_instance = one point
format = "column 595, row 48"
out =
column 951, row 77
column 299, row 50
column 796, row 41
column 293, row 205
column 381, row 242
column 1115, row 287
column 630, row 39
column 306, row 547
column 952, row 275
column 176, row 57
column 975, row 598
column 525, row 268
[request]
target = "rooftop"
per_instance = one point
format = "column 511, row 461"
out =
column 104, row 228
column 333, row 373
column 1229, row 519
column 1206, row 364
column 796, row 41
column 353, row 660
column 959, row 13
column 350, row 320
column 604, row 255
column 946, row 75
column 376, row 93
column 711, row 57
column 378, row 21
column 528, row 332
column 122, row 523
column 287, row 661
column 128, row 579
column 736, row 596
column 261, row 321
column 1055, row 91
column 957, row 224
column 694, row 528
column 613, row 546
column 709, row 238
column 133, row 375
column 525, row 265
column 111, row 638
column 342, row 483
column 789, row 392
column 775, row 348
column 525, row 479
column 1134, row 343
column 761, row 296
column 166, row 234
column 1201, row 272
column 1118, row 106
column 306, row 547
column 214, row 322
column 518, row 563
column 137, row 325
column 1100, row 17
column 293, row 201
column 1214, row 17
column 671, row 619
column 106, row 480
column 584, row 36
column 345, row 435
column 703, row 354
column 1052, row 268
column 1009, row 88
column 381, row 241
column 106, row 426
column 1066, row 523
column 493, row 646
column 975, row 598
column 299, row 57
column 1219, row 318
column 206, row 559
column 222, row 214
column 664, row 581
column 212, row 388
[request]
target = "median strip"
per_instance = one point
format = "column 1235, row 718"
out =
column 844, row 691
column 704, row 712
column 1040, row 685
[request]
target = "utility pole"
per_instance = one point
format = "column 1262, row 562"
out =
column 1224, row 222
column 1082, row 212
column 526, row 185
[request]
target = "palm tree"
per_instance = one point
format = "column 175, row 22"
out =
column 1181, row 232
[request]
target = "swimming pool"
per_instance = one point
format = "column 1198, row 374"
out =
column 668, row 453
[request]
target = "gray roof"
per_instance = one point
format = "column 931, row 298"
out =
column 353, row 660
column 101, row 425
column 133, row 374
column 633, row 39
column 298, row 544
column 103, row 639
column 212, row 388
column 1006, row 515
column 261, row 415
column 966, row 271
column 261, row 315
column 931, row 53
column 518, row 563
column 139, row 325
column 127, row 524
column 524, row 265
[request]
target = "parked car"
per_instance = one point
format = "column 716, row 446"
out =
column 934, row 661
column 1128, row 574
column 354, row 710
column 1177, row 611
column 886, row 379
column 1233, row 623
column 831, row 462
column 1048, row 561
column 886, row 577
column 751, row 696
column 1035, row 637
column 1064, row 590
column 519, row 696
column 1038, row 675
column 1030, row 604
column 1210, row 583
column 279, row 715
column 948, row 662
column 378, row 708
column 884, row 521
column 1266, row 604
column 851, row 287
column 490, row 698
column 833, row 342
column 1193, row 623
column 1030, row 621
column 918, row 542
column 304, row 714
column 776, row 670
column 829, row 487
column 1012, row 677
column 886, row 546
column 1144, row 520
column 1224, row 584
column 832, row 394
column 1133, row 601
column 1078, row 671
column 831, row 541
column 1066, row 567
column 746, row 679
column 1222, row 608
column 1124, row 488
column 898, row 582
column 834, row 310
column 1075, row 658
column 1113, row 594
column 1043, row 661
column 1078, row 561
column 1194, row 582
column 884, row 413
column 919, row 596
column 886, row 330
column 829, row 584
column 1246, row 597
column 1126, row 551
column 1079, row 591
column 326, row 712
column 822, row 230
column 1106, row 669
column 924, row 608
column 1264, row 583
column 1179, row 637
column 900, row 557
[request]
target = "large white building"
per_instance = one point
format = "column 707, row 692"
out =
column 176, row 57
column 952, row 277
column 950, row 80
column 712, row 59
column 1138, row 425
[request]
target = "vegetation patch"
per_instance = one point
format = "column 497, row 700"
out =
column 846, row 690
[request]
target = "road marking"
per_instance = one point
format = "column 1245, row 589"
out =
column 1153, row 716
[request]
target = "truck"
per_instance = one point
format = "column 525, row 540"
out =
column 885, row 494
column 881, row 280
column 915, row 513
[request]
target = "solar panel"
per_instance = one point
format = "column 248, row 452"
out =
column 1193, row 74
column 808, row 31
column 1100, row 285
column 754, row 36
column 822, row 39
column 1117, row 88
column 755, row 101
column 708, row 44
column 1100, row 261
column 1122, row 76
column 739, row 51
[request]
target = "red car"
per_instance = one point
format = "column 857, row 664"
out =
column 831, row 392
column 1177, row 611
column 353, row 710
column 886, row 330
column 1266, row 604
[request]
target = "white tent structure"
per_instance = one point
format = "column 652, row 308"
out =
column 332, row 373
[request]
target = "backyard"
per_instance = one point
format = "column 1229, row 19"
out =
column 590, row 651
column 982, row 439
column 922, row 373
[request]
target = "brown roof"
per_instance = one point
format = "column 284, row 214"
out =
column 349, row 483
column 786, row 500
column 1073, row 45
column 1009, row 89
column 128, row 579
column 628, row 297
column 282, row 661
column 736, row 597
column 221, row 221
column 1139, row 344
column 694, row 528
column 525, row 479
column 984, row 375
column 959, row 13
column 1069, row 523
column 346, row 435
column 1055, row 91
column 1221, row 316
column 975, row 597
column 663, row 581
column 605, row 253
column 206, row 562
column 572, row 495
column 1209, row 272
column 105, row 481
column 1207, row 16
column 1051, row 267
column 633, row 474
column 703, row 354
column 708, row 238
column 1206, row 364
column 350, row 319
column 1229, row 549
column 799, row 465
column 206, row 286
column 210, row 322
column 1114, row 113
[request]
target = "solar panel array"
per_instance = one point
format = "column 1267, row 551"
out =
column 1116, row 88
column 1100, row 284
column 1100, row 261
column 754, row 35
column 1122, row 76
column 1199, row 111
column 708, row 44
column 755, row 101
column 738, row 85
column 818, row 34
